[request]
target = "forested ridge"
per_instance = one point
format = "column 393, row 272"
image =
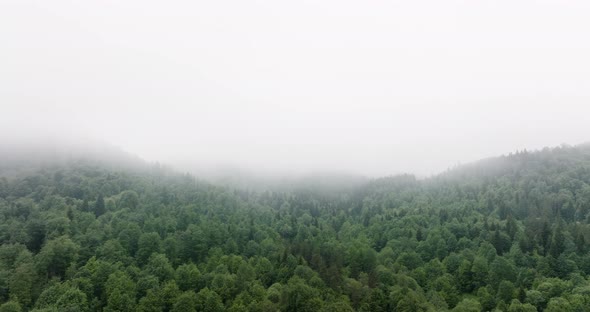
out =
column 508, row 234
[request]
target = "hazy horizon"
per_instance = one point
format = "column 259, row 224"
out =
column 63, row 146
column 373, row 88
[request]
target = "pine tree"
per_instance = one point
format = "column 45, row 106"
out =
column 557, row 245
column 419, row 235
column 99, row 207
column 511, row 227
column 545, row 234
column 85, row 207
column 580, row 242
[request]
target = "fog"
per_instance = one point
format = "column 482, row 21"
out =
column 366, row 87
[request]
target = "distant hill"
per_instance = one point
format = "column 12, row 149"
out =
column 25, row 155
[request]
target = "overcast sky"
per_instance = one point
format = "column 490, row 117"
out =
column 372, row 87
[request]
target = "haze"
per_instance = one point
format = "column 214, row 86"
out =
column 369, row 87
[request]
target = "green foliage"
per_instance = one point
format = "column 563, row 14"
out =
column 208, row 301
column 99, row 206
column 128, row 199
column 22, row 282
column 509, row 233
column 62, row 297
column 120, row 292
column 468, row 305
column 187, row 276
column 57, row 255
column 517, row 306
column 10, row 306
column 559, row 304
column 186, row 302
column 159, row 266
column 505, row 291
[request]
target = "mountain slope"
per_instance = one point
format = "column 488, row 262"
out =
column 508, row 233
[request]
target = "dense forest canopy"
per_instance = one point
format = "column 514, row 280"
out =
column 505, row 234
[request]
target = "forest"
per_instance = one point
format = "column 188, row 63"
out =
column 509, row 233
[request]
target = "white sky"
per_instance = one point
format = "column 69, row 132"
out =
column 373, row 87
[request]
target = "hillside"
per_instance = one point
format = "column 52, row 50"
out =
column 26, row 156
column 509, row 234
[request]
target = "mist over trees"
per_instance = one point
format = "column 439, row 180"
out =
column 292, row 156
column 24, row 154
column 508, row 234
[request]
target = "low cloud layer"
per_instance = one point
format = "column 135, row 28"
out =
column 376, row 88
